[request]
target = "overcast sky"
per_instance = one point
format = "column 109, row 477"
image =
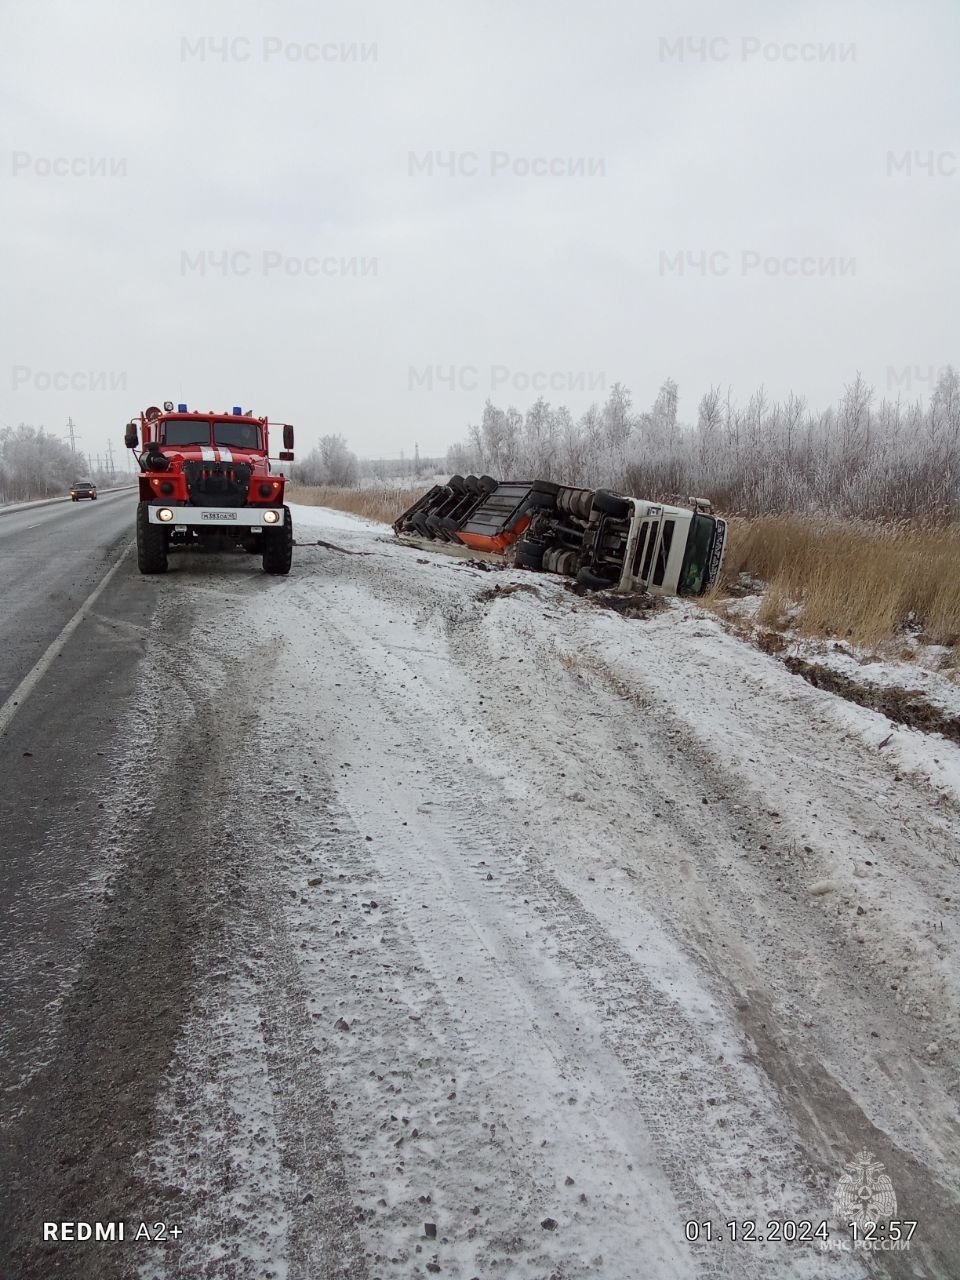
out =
column 252, row 218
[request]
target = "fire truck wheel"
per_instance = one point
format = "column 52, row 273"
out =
column 609, row 504
column 593, row 581
column 151, row 543
column 473, row 486
column 529, row 554
column 457, row 484
column 487, row 484
column 278, row 546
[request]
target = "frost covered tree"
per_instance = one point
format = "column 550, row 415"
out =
column 35, row 464
column 330, row 463
column 858, row 458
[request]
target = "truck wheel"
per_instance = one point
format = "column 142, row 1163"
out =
column 151, row 542
column 457, row 484
column 278, row 546
column 562, row 561
column 593, row 581
column 488, row 484
column 609, row 504
column 529, row 554
column 584, row 503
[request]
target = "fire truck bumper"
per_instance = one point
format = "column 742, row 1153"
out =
column 218, row 517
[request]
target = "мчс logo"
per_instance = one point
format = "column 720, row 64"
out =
column 864, row 1193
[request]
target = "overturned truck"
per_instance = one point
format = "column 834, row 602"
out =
column 607, row 541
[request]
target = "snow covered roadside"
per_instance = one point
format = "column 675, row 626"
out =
column 922, row 673
column 569, row 928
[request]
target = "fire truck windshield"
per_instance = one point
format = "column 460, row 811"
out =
column 236, row 435
column 184, row 431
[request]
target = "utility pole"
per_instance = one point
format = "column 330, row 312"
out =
column 113, row 474
column 72, row 433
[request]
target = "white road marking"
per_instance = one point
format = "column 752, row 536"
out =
column 40, row 668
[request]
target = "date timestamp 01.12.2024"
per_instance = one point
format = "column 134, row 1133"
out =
column 749, row 1231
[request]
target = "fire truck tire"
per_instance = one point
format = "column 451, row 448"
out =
column 530, row 554
column 151, row 543
column 593, row 581
column 457, row 484
column 609, row 504
column 278, row 546
column 487, row 484
column 473, row 486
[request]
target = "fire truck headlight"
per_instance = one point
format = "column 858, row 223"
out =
column 165, row 514
column 270, row 517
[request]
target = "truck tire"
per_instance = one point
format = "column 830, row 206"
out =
column 457, row 484
column 278, row 546
column 569, row 500
column 151, row 542
column 529, row 553
column 593, row 581
column 609, row 504
column 487, row 484
column 561, row 560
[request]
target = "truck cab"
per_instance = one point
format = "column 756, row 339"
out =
column 647, row 546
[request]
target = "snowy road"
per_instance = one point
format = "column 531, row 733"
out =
column 442, row 927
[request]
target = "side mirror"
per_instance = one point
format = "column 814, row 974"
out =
column 285, row 456
column 130, row 437
column 287, row 436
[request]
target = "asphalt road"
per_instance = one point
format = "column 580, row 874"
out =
column 62, row 767
column 51, row 557
column 108, row 781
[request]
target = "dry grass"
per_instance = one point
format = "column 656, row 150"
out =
column 374, row 504
column 865, row 583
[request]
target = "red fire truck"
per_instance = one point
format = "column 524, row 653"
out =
column 205, row 480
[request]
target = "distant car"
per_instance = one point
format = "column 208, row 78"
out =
column 83, row 489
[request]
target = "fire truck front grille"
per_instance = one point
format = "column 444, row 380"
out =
column 217, row 484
